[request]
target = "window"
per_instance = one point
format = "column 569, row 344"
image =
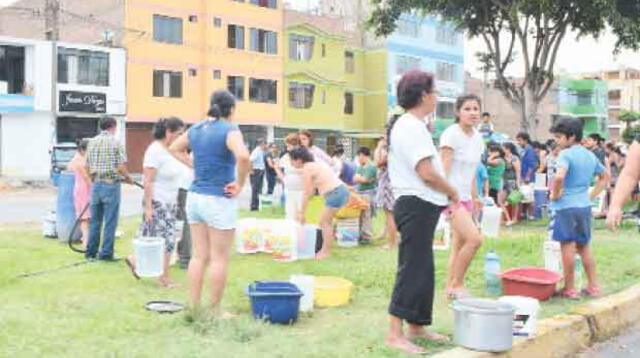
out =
column 235, row 84
column 300, row 47
column 406, row 63
column 446, row 71
column 348, row 103
column 167, row 84
column 584, row 98
column 324, row 50
column 446, row 35
column 235, row 36
column 300, row 95
column 408, row 28
column 167, row 29
column 83, row 67
column 445, row 110
column 193, row 18
column 217, row 22
column 263, row 91
column 263, row 41
column 11, row 70
column 272, row 4
column 349, row 62
column 193, row 72
column 217, row 74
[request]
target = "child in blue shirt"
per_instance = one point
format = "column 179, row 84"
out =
column 571, row 203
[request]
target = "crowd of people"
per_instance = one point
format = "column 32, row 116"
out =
column 198, row 173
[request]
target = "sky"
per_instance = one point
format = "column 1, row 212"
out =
column 7, row 2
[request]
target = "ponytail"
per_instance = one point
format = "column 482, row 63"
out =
column 214, row 111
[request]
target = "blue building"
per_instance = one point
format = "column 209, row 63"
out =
column 434, row 46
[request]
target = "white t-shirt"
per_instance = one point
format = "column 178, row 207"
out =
column 410, row 143
column 186, row 176
column 292, row 175
column 169, row 173
column 467, row 152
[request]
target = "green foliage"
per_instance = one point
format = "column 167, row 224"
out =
column 629, row 117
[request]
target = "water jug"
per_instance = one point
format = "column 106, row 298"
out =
column 149, row 252
column 491, row 272
column 491, row 217
column 577, row 272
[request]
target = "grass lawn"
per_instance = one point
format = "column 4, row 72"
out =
column 96, row 310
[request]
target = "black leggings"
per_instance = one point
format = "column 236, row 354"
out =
column 412, row 298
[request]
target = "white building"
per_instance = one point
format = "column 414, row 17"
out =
column 91, row 84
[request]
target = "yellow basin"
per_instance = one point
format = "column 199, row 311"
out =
column 331, row 291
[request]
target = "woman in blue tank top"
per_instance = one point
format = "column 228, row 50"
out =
column 219, row 154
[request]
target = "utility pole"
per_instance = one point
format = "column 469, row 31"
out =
column 52, row 33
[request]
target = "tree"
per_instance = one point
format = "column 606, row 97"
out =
column 631, row 131
column 535, row 27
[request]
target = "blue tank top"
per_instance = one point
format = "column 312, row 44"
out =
column 214, row 165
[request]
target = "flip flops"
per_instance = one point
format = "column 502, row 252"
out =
column 569, row 294
column 591, row 292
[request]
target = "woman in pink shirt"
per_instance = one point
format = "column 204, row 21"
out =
column 81, row 188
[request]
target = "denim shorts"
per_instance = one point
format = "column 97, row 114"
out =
column 337, row 197
column 217, row 212
column 572, row 225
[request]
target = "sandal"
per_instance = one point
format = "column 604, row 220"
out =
column 569, row 294
column 132, row 268
column 591, row 292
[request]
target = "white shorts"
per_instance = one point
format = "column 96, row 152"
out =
column 217, row 212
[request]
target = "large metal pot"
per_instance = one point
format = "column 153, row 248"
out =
column 483, row 325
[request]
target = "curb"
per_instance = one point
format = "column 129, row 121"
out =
column 564, row 335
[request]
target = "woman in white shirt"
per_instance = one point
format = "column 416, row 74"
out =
column 291, row 178
column 162, row 175
column 461, row 148
column 421, row 193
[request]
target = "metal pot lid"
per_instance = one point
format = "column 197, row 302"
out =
column 164, row 306
column 482, row 306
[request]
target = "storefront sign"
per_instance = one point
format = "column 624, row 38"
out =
column 72, row 101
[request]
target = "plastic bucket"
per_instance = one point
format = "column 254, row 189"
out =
column 331, row 291
column 275, row 301
column 149, row 252
column 525, row 318
column 306, row 284
column 307, row 242
column 491, row 217
column 348, row 232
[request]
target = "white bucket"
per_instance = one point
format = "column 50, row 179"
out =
column 307, row 242
column 552, row 256
column 491, row 217
column 305, row 283
column 149, row 252
column 541, row 181
column 525, row 317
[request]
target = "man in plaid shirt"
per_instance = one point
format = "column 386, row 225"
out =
column 106, row 161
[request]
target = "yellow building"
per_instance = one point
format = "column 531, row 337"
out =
column 182, row 51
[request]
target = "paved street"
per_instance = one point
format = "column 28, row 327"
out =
column 31, row 205
column 626, row 345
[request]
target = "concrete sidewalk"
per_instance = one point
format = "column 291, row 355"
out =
column 31, row 205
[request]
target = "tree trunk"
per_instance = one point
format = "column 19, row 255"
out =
column 529, row 120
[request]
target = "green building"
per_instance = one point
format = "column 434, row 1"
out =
column 586, row 99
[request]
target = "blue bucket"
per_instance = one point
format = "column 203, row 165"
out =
column 275, row 301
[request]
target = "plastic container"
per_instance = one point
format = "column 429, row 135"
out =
column 541, row 181
column 483, row 325
column 331, row 291
column 552, row 256
column 275, row 301
column 525, row 318
column 65, row 208
column 249, row 236
column 307, row 242
column 348, row 232
column 527, row 193
column 442, row 235
column 149, row 253
column 491, row 272
column 491, row 218
column 531, row 282
column 49, row 225
column 306, row 284
column 541, row 200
